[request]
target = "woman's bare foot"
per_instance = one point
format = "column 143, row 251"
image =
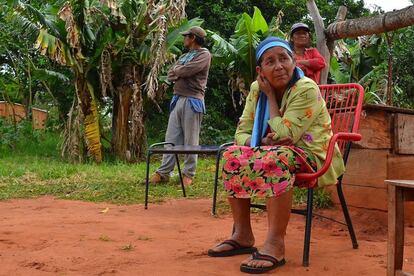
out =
column 242, row 240
column 275, row 249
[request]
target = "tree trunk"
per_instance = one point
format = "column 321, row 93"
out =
column 72, row 146
column 389, row 38
column 121, row 108
column 128, row 130
column 137, row 134
column 320, row 38
column 382, row 23
column 340, row 16
column 88, row 106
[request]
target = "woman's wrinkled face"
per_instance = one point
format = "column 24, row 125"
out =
column 277, row 66
column 301, row 37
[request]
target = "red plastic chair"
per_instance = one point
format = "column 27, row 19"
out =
column 344, row 103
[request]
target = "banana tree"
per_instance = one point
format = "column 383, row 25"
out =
column 125, row 43
column 68, row 38
column 143, row 39
column 238, row 54
column 362, row 61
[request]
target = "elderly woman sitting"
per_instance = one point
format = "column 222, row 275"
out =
column 285, row 129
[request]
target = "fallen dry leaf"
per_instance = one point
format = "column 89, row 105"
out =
column 104, row 210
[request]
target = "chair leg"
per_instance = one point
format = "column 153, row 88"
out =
column 147, row 180
column 308, row 228
column 346, row 215
column 218, row 157
column 179, row 173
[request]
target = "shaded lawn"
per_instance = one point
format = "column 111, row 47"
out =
column 32, row 176
column 35, row 169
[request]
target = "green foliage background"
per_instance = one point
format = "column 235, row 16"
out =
column 219, row 16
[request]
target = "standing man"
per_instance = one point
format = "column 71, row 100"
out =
column 187, row 107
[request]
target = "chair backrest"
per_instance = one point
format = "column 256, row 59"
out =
column 344, row 103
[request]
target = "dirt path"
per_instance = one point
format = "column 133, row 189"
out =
column 46, row 236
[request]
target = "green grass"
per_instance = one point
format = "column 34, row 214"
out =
column 120, row 183
column 33, row 168
column 32, row 176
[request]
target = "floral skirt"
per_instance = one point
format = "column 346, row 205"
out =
column 267, row 171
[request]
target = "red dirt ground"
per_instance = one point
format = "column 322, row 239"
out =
column 46, row 236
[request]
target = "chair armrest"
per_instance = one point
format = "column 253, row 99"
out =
column 224, row 146
column 160, row 144
column 329, row 155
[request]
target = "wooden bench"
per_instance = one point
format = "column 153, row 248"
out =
column 399, row 191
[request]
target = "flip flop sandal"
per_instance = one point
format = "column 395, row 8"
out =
column 259, row 270
column 236, row 250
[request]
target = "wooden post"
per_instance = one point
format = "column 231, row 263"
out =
column 321, row 43
column 395, row 229
column 389, row 38
column 340, row 16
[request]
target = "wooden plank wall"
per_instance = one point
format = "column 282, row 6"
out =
column 39, row 115
column 404, row 134
column 376, row 158
column 375, row 130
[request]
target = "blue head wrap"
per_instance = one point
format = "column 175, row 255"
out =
column 271, row 42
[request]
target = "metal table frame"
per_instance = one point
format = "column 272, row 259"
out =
column 170, row 148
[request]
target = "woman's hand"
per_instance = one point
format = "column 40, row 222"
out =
column 265, row 87
column 268, row 140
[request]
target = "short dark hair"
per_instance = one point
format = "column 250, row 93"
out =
column 199, row 40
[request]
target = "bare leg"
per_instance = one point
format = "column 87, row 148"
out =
column 243, row 234
column 278, row 214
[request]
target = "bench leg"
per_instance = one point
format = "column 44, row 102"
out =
column 179, row 173
column 218, row 157
column 147, row 179
column 308, row 228
column 395, row 230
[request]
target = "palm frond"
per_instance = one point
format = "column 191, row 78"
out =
column 176, row 10
column 47, row 75
column 72, row 37
column 28, row 27
column 43, row 19
column 274, row 26
column 144, row 53
column 258, row 23
column 53, row 47
column 222, row 50
column 129, row 9
column 158, row 47
column 103, row 38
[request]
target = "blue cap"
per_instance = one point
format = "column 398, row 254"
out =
column 271, row 42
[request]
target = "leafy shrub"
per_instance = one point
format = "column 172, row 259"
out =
column 10, row 134
column 22, row 138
